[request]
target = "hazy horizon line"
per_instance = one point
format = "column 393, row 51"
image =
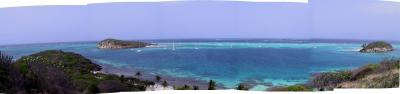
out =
column 85, row 41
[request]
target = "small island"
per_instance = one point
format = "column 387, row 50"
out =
column 120, row 44
column 377, row 47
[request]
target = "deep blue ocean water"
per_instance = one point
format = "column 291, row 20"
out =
column 228, row 62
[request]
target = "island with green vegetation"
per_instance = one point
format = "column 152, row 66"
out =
column 118, row 44
column 59, row 72
column 377, row 47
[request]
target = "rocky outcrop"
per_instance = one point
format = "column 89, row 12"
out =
column 377, row 47
column 118, row 44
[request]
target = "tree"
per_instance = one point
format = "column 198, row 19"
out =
column 138, row 74
column 297, row 88
column 241, row 86
column 5, row 67
column 165, row 84
column 108, row 86
column 158, row 78
column 211, row 85
column 184, row 87
column 195, row 87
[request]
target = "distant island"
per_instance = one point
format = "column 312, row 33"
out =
column 377, row 47
column 119, row 44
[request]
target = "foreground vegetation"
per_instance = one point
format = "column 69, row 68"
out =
column 58, row 72
column 382, row 75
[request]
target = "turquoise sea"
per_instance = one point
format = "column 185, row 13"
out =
column 260, row 62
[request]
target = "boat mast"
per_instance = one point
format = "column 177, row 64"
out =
column 173, row 45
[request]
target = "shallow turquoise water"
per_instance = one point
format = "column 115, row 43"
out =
column 229, row 62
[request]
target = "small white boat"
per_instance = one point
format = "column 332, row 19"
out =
column 173, row 45
column 195, row 46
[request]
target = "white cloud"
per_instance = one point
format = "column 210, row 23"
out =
column 17, row 3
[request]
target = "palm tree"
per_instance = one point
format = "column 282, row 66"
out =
column 165, row 84
column 158, row 78
column 122, row 78
column 211, row 85
column 138, row 74
column 241, row 86
column 195, row 87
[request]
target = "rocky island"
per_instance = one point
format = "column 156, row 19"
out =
column 119, row 44
column 377, row 47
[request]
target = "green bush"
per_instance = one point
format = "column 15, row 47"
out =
column 291, row 88
column 55, row 71
column 297, row 88
column 196, row 88
column 330, row 79
column 211, row 85
column 373, row 66
column 5, row 64
column 184, row 87
column 379, row 44
column 164, row 83
column 241, row 86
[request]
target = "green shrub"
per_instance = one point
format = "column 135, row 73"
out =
column 5, row 65
column 158, row 78
column 211, row 85
column 330, row 79
column 277, row 88
column 165, row 83
column 195, row 87
column 109, row 86
column 388, row 64
column 297, row 88
column 184, row 87
column 373, row 66
column 241, row 86
column 362, row 72
column 379, row 44
column 291, row 88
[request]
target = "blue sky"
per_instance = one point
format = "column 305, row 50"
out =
column 333, row 19
column 356, row 19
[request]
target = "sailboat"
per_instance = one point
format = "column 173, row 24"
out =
column 173, row 45
column 195, row 46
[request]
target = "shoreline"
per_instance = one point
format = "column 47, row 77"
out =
column 145, row 75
